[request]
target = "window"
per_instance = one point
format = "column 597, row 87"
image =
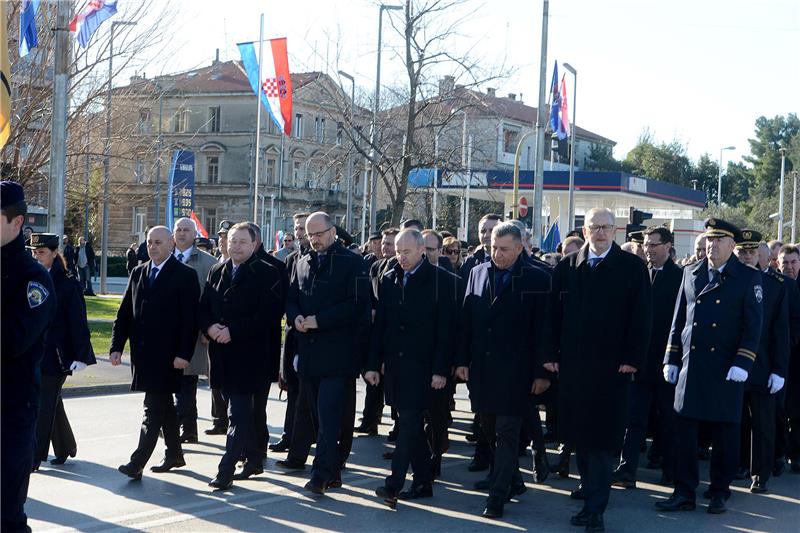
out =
column 214, row 119
column 319, row 129
column 510, row 139
column 339, row 131
column 297, row 173
column 139, row 170
column 298, row 125
column 269, row 171
column 212, row 168
column 210, row 219
column 144, row 121
column 139, row 223
column 179, row 121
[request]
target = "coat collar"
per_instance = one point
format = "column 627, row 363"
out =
column 612, row 256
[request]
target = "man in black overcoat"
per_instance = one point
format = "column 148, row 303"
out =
column 787, row 409
column 601, row 299
column 158, row 315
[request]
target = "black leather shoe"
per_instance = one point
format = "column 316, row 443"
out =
column 423, row 490
column 131, row 471
column 580, row 519
column 389, row 496
column 335, row 483
column 478, row 464
column 516, row 490
column 290, row 465
column 315, row 486
column 482, row 484
column 282, row 446
column 758, row 487
column 216, row 430
column 189, row 439
column 168, row 464
column 578, row 494
column 494, row 508
column 221, row 483
column 716, row 505
column 59, row 460
column 541, row 469
column 624, row 480
column 595, row 524
column 370, row 431
column 675, row 503
column 248, row 470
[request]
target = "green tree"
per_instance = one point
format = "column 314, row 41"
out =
column 772, row 134
column 663, row 161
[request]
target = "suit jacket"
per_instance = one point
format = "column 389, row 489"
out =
column 413, row 333
column 504, row 337
column 251, row 306
column 477, row 258
column 714, row 327
column 601, row 320
column 201, row 262
column 160, row 320
column 336, row 291
column 665, row 291
column 772, row 356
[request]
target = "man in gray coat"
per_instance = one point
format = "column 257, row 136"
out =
column 186, row 400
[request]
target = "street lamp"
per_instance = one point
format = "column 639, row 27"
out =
column 106, row 159
column 349, row 213
column 780, row 200
column 719, row 175
column 373, row 196
column 571, row 199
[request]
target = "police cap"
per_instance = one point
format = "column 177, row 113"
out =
column 716, row 227
column 224, row 227
column 637, row 237
column 44, row 240
column 749, row 239
column 374, row 236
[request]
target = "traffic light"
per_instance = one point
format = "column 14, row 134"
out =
column 636, row 219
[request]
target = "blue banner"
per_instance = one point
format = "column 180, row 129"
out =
column 180, row 188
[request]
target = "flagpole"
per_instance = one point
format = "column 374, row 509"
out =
column 258, row 117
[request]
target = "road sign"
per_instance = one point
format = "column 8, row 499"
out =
column 523, row 207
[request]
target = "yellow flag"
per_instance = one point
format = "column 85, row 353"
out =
column 5, row 80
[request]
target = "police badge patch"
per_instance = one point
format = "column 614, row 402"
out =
column 37, row 294
column 759, row 293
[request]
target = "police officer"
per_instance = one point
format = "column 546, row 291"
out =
column 713, row 344
column 28, row 308
column 769, row 369
column 68, row 349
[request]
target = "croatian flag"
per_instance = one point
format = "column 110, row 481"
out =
column 563, row 124
column 201, row 230
column 27, row 27
column 275, row 86
column 555, row 102
column 85, row 23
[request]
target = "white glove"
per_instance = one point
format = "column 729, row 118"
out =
column 737, row 374
column 295, row 361
column 671, row 374
column 775, row 383
column 77, row 366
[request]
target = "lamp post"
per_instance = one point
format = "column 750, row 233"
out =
column 373, row 194
column 571, row 194
column 794, row 204
column 106, row 158
column 719, row 175
column 349, row 215
column 780, row 199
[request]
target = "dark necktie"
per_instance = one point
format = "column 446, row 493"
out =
column 500, row 281
column 152, row 277
column 405, row 278
column 180, row 257
column 594, row 261
column 653, row 275
column 234, row 272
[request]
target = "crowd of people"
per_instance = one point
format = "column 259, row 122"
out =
column 616, row 343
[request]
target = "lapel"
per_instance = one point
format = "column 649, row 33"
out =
column 516, row 272
column 700, row 273
column 164, row 273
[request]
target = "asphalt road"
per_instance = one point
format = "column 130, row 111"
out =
column 88, row 494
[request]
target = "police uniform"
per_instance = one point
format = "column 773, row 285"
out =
column 714, row 339
column 28, row 308
column 758, row 427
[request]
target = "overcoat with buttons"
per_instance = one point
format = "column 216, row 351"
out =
column 503, row 336
column 414, row 333
column 714, row 328
column 772, row 356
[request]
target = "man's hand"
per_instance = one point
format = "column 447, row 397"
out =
column 627, row 369
column 224, row 336
column 180, row 364
column 115, row 358
column 463, row 373
column 736, row 374
column 372, row 377
column 213, row 331
column 438, row 382
column 671, row 374
column 311, row 322
column 540, row 386
column 551, row 367
column 300, row 324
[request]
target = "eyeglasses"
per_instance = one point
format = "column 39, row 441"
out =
column 593, row 228
column 452, row 252
column 319, row 233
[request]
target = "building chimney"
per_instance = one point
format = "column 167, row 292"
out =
column 491, row 91
column 512, row 96
column 446, row 85
column 216, row 58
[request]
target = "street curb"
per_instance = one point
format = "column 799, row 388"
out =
column 96, row 390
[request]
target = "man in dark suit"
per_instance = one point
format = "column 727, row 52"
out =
column 69, row 255
column 329, row 307
column 768, row 375
column 648, row 387
column 412, row 341
column 504, row 337
column 787, row 411
column 241, row 305
column 158, row 315
column 712, row 346
column 601, row 299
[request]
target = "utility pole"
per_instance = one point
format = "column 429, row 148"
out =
column 780, row 199
column 58, row 127
column 538, row 178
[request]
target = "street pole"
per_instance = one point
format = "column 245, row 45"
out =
column 158, row 155
column 538, row 178
column 515, row 189
column 258, row 118
column 780, row 199
column 469, row 185
column 349, row 215
column 435, row 178
column 86, row 183
column 794, row 205
column 571, row 196
column 719, row 175
column 58, row 128
column 107, row 156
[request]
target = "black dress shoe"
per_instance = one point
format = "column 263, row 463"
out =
column 367, row 430
column 290, row 465
column 389, row 496
column 316, row 486
column 516, row 490
column 595, row 524
column 189, row 439
column 478, row 464
column 494, row 508
column 168, row 464
column 335, row 483
column 131, row 471
column 59, row 460
column 624, row 480
column 471, row 437
column 221, row 483
column 216, row 430
column 248, row 470
column 423, row 490
column 675, row 503
column 716, row 505
column 541, row 469
column 282, row 446
column 578, row 494
column 581, row 518
column 758, row 487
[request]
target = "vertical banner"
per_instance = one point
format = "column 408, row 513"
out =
column 180, row 188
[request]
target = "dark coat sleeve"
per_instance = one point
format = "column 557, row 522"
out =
column 120, row 332
column 27, row 323
column 780, row 336
column 78, row 328
column 674, row 354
